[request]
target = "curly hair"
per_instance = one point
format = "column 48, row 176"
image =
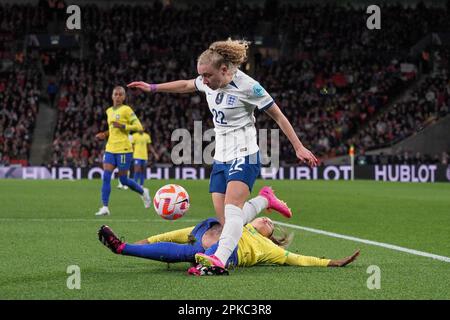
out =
column 231, row 53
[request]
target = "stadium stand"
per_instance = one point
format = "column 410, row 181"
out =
column 337, row 87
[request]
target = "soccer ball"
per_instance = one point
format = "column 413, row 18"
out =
column 171, row 202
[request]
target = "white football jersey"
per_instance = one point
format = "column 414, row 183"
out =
column 232, row 110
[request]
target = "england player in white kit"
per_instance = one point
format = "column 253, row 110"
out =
column 232, row 97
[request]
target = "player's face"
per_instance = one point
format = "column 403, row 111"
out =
column 264, row 226
column 213, row 77
column 118, row 96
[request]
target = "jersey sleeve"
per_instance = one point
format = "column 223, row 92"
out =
column 256, row 95
column 275, row 255
column 149, row 139
column 133, row 122
column 199, row 85
column 293, row 259
column 177, row 236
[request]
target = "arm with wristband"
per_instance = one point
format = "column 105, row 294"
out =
column 179, row 86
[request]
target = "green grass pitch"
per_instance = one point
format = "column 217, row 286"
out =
column 46, row 226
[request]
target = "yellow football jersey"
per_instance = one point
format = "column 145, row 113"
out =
column 254, row 248
column 118, row 141
column 140, row 142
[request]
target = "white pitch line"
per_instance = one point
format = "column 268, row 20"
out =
column 373, row 243
column 330, row 234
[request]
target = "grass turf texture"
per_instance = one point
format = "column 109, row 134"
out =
column 45, row 226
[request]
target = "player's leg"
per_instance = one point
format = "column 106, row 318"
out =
column 232, row 260
column 253, row 207
column 121, row 186
column 161, row 251
column 108, row 168
column 143, row 171
column 144, row 192
column 123, row 177
column 200, row 270
column 124, row 164
column 250, row 210
column 218, row 200
column 266, row 199
column 137, row 171
column 241, row 176
column 236, row 194
column 217, row 188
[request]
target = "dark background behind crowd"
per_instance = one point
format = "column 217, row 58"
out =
column 337, row 81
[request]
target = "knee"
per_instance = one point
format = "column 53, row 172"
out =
column 107, row 175
column 123, row 179
column 235, row 202
column 232, row 211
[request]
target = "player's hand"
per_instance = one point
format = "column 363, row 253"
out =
column 100, row 136
column 307, row 156
column 144, row 86
column 117, row 124
column 345, row 261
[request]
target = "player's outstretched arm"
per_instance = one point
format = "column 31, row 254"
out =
column 102, row 135
column 153, row 151
column 179, row 86
column 293, row 259
column 345, row 261
column 300, row 150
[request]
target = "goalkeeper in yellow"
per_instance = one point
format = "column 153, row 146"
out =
column 258, row 245
column 119, row 153
column 141, row 145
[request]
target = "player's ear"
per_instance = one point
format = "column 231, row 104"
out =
column 223, row 69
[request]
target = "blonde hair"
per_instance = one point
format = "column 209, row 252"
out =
column 231, row 53
column 284, row 239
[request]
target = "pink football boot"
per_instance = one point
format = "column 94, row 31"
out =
column 275, row 203
column 208, row 261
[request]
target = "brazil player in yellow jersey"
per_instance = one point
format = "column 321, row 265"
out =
column 257, row 245
column 141, row 142
column 118, row 154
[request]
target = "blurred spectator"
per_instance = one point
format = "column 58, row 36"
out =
column 52, row 89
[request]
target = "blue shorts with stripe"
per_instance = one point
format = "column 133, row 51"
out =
column 140, row 162
column 120, row 160
column 198, row 233
column 245, row 169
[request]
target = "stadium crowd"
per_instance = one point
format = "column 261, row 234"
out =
column 426, row 104
column 334, row 87
column 19, row 103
